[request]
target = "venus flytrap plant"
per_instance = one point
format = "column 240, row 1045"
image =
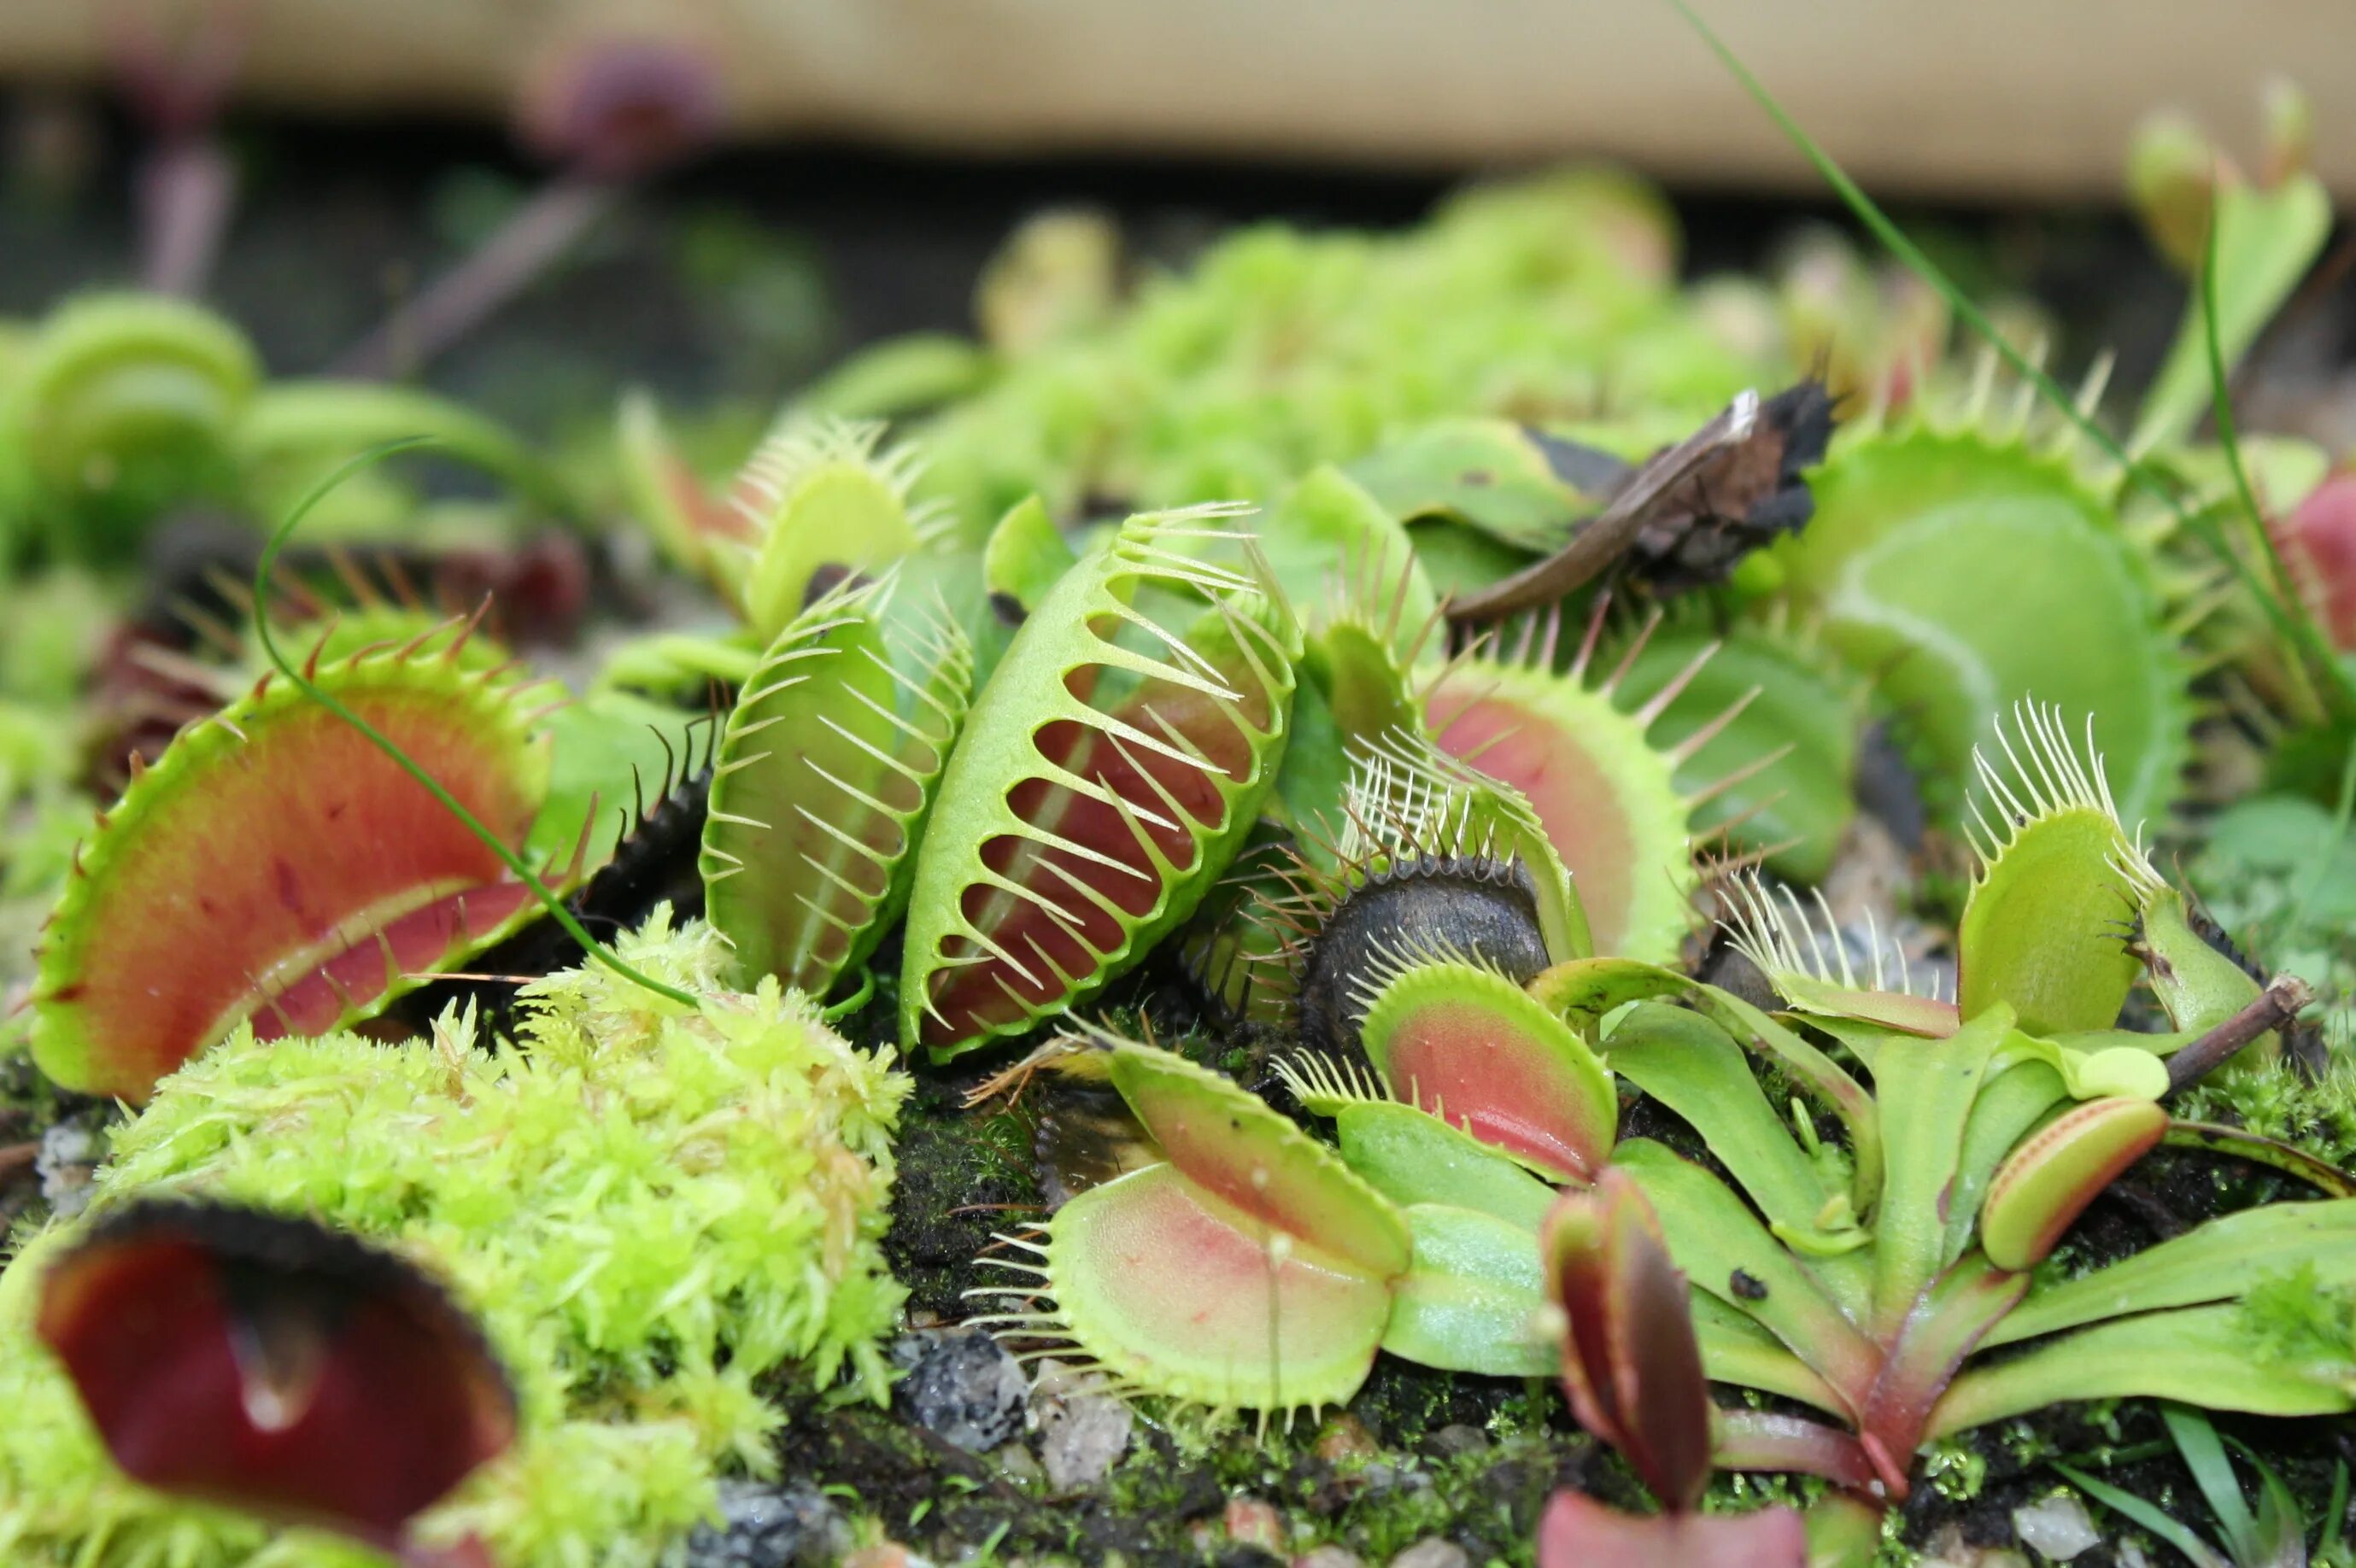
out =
column 1983, row 1164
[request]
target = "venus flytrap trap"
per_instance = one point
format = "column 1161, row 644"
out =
column 1429, row 850
column 1907, row 510
column 1609, row 802
column 1247, row 1268
column 824, row 775
column 271, row 1364
column 1783, row 766
column 265, row 826
column 816, row 493
column 1106, row 775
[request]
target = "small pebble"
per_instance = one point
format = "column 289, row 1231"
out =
column 891, row 1554
column 1082, row 1432
column 1345, row 1437
column 70, row 1153
column 961, row 1385
column 1948, row 1548
column 1456, row 1440
column 1251, row 1522
column 1328, row 1557
column 1432, row 1552
column 1017, row 1464
column 762, row 1526
column 2058, row 1529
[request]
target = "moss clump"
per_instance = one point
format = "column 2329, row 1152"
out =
column 653, row 1209
column 1549, row 299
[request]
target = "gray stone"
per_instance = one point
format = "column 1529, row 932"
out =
column 1082, row 1432
column 1432, row 1552
column 69, row 1154
column 961, row 1385
column 764, row 1526
column 1456, row 1440
column 1328, row 1557
column 2057, row 1529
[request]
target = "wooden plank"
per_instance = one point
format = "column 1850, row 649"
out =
column 2010, row 99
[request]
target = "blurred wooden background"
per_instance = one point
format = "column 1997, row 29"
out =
column 2012, row 98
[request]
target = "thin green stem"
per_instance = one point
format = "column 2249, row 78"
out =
column 514, row 862
column 2294, row 626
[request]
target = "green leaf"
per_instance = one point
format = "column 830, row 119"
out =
column 1694, row 1068
column 2130, row 1069
column 1924, row 1089
column 1735, row 1349
column 2197, row 1552
column 2217, row 1262
column 1814, row 1071
column 1713, row 1236
column 1470, row 1301
column 2200, row 1355
column 1412, row 1156
column 2204, row 1455
column 2011, row 1101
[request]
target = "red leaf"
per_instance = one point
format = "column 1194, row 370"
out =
column 1580, row 1532
column 1631, row 1366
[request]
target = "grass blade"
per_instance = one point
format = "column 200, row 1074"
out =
column 2127, row 1506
